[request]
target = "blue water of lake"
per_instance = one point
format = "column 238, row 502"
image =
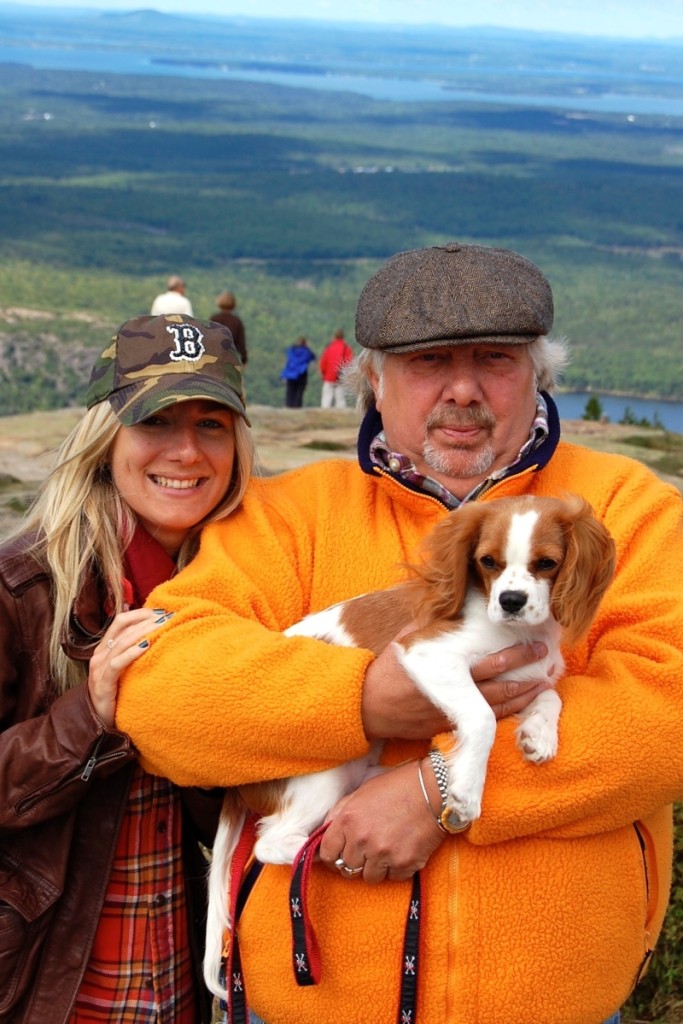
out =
column 670, row 414
column 131, row 61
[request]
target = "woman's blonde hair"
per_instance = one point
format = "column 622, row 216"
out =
column 82, row 524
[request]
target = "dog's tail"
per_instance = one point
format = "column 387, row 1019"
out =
column 232, row 819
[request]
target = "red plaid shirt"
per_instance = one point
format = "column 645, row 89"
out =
column 140, row 968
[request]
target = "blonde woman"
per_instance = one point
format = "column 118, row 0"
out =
column 99, row 920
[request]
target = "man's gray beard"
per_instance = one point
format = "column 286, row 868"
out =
column 459, row 463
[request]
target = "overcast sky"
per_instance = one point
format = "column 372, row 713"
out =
column 626, row 18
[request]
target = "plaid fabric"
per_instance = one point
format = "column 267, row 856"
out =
column 403, row 467
column 140, row 969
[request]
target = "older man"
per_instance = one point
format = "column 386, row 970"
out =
column 173, row 300
column 547, row 909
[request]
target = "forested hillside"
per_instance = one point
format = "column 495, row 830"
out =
column 291, row 197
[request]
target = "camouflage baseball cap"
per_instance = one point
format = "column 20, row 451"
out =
column 154, row 361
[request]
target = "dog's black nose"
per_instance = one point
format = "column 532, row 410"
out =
column 512, row 601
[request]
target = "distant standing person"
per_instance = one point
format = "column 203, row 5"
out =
column 226, row 303
column 295, row 372
column 173, row 300
column 335, row 357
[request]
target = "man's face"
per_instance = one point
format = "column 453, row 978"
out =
column 458, row 412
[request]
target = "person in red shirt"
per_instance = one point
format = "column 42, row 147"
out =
column 333, row 360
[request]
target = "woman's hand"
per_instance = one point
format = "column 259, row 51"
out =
column 124, row 641
column 392, row 707
column 385, row 827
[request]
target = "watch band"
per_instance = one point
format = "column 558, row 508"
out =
column 445, row 818
column 425, row 794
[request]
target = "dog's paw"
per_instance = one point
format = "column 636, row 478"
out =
column 537, row 739
column 462, row 808
column 282, row 850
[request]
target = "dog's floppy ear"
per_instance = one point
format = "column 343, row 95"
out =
column 586, row 571
column 444, row 572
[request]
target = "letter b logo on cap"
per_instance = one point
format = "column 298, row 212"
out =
column 188, row 342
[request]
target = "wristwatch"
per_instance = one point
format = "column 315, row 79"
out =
column 446, row 818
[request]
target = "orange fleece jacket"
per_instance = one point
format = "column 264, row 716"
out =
column 548, row 907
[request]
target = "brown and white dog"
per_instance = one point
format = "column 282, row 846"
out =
column 493, row 574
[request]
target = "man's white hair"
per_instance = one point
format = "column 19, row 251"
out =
column 549, row 357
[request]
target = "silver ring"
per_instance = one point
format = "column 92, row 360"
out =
column 110, row 643
column 344, row 869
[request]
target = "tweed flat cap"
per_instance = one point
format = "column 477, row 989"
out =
column 453, row 294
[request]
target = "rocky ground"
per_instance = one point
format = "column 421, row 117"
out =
column 285, row 438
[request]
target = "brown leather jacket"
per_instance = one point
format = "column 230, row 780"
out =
column 64, row 781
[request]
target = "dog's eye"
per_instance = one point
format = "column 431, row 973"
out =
column 488, row 561
column 546, row 564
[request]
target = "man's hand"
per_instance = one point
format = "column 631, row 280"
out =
column 385, row 827
column 392, row 707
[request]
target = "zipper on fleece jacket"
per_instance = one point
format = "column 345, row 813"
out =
column 649, row 870
column 380, row 471
column 486, row 488
column 450, row 1009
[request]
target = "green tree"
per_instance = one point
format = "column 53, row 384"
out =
column 593, row 409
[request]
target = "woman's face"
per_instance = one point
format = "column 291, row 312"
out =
column 175, row 467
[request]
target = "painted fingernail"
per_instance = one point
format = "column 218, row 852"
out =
column 164, row 617
column 143, row 644
column 159, row 611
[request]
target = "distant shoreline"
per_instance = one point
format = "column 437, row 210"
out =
column 606, row 393
column 664, row 412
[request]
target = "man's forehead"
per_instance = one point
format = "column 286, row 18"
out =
column 455, row 351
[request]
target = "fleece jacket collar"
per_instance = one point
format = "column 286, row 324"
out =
column 534, row 461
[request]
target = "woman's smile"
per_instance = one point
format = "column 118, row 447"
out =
column 174, row 483
column 174, row 468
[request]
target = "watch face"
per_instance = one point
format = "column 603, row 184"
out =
column 451, row 822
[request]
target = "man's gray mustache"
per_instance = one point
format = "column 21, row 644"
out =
column 471, row 418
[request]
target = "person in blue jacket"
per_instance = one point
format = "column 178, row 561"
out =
column 295, row 372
